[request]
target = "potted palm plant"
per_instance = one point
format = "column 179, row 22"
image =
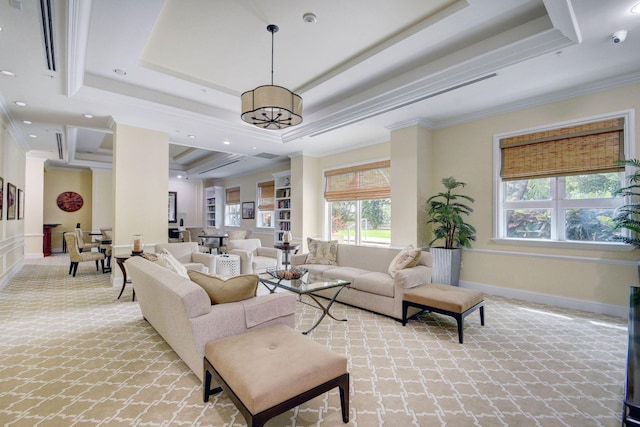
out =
column 446, row 212
column 627, row 216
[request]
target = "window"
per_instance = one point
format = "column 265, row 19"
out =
column 557, row 184
column 359, row 204
column 232, row 209
column 265, row 196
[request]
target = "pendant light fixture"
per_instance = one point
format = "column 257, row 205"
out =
column 269, row 106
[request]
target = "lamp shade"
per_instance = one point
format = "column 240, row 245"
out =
column 271, row 107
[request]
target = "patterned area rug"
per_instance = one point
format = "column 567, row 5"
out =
column 72, row 354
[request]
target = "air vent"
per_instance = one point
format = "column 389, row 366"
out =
column 47, row 33
column 267, row 156
column 413, row 101
column 220, row 166
column 59, row 141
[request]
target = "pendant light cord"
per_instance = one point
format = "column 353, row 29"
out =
column 272, row 42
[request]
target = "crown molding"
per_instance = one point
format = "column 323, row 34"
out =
column 536, row 101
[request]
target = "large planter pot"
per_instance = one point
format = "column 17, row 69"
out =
column 446, row 265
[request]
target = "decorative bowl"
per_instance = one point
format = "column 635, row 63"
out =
column 291, row 274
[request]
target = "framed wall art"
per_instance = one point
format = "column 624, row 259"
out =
column 20, row 204
column 11, row 201
column 248, row 209
column 1, row 198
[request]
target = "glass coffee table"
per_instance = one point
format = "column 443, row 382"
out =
column 307, row 285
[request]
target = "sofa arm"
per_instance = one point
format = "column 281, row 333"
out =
column 270, row 307
column 271, row 253
column 208, row 260
column 298, row 259
column 246, row 260
column 411, row 277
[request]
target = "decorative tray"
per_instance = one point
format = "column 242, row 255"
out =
column 291, row 274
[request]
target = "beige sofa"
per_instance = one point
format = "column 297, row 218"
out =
column 372, row 287
column 181, row 311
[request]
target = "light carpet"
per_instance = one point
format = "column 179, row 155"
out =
column 72, row 354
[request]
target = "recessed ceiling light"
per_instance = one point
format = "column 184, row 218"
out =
column 226, row 143
column 636, row 9
column 254, row 148
column 88, row 116
column 119, row 72
column 27, row 122
column 179, row 176
column 7, row 73
column 32, row 135
column 191, row 136
column 20, row 104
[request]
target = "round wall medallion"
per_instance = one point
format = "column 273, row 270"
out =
column 69, row 201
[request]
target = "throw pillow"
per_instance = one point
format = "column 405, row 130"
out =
column 173, row 264
column 322, row 252
column 406, row 258
column 232, row 289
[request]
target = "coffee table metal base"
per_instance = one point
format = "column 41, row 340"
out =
column 319, row 305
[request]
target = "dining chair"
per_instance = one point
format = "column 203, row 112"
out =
column 77, row 257
column 82, row 245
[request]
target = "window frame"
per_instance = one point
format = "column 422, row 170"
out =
column 238, row 206
column 558, row 204
column 259, row 212
column 357, row 168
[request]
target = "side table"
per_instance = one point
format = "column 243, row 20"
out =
column 286, row 248
column 120, row 259
column 227, row 265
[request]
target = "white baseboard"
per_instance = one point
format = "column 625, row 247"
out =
column 557, row 301
column 10, row 273
column 34, row 255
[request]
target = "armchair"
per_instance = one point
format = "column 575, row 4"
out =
column 189, row 255
column 253, row 257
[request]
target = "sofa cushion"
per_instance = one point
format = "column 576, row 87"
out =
column 221, row 291
column 344, row 273
column 406, row 258
column 375, row 282
column 322, row 252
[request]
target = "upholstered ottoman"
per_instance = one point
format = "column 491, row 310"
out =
column 268, row 371
column 444, row 299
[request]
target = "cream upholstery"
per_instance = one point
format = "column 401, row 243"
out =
column 238, row 234
column 181, row 311
column 82, row 245
column 253, row 257
column 367, row 269
column 189, row 255
column 106, row 233
column 76, row 257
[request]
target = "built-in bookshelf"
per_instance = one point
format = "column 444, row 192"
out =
column 213, row 201
column 282, row 211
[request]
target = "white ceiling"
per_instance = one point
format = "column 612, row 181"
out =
column 365, row 67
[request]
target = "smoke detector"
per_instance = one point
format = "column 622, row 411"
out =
column 309, row 18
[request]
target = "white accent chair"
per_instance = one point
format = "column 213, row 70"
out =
column 254, row 258
column 189, row 255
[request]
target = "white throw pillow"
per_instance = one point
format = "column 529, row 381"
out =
column 406, row 258
column 173, row 264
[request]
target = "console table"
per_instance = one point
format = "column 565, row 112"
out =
column 46, row 238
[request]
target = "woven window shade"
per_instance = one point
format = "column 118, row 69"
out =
column 588, row 148
column 233, row 196
column 370, row 181
column 265, row 202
